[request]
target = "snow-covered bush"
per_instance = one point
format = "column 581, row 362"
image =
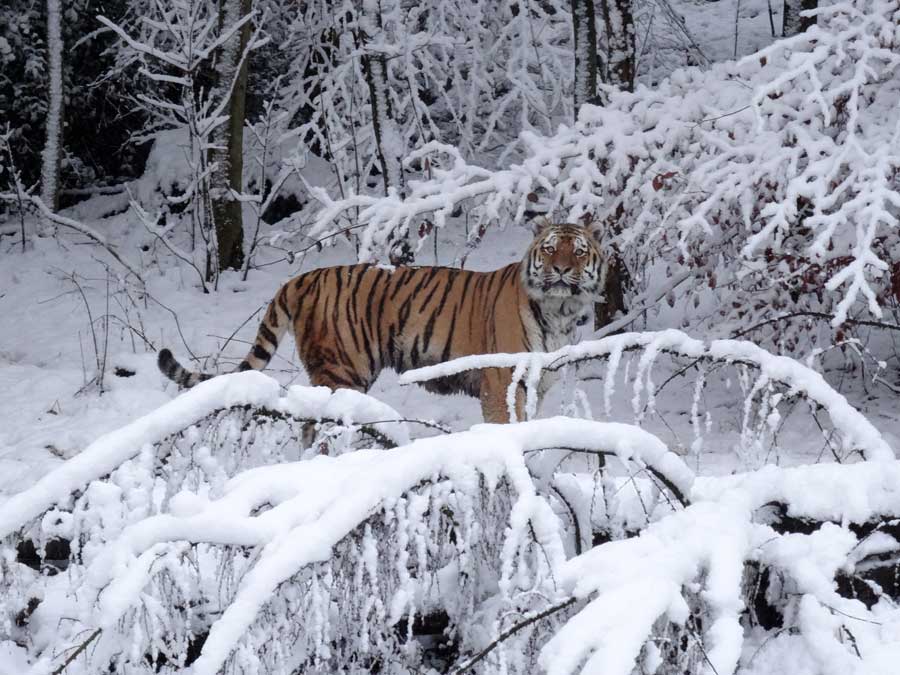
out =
column 191, row 526
column 180, row 47
column 204, row 534
column 774, row 180
column 767, row 388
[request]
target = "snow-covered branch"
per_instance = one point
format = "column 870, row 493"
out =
column 859, row 434
column 72, row 224
column 184, row 530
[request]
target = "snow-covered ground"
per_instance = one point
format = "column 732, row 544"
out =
column 51, row 406
column 78, row 344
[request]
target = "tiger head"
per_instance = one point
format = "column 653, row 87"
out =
column 564, row 261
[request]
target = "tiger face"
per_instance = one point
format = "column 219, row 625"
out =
column 564, row 261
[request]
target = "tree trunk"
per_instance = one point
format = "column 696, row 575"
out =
column 584, row 27
column 52, row 147
column 375, row 71
column 618, row 19
column 228, row 140
column 793, row 23
column 388, row 143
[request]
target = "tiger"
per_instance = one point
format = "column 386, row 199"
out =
column 351, row 322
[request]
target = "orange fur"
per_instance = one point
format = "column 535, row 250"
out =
column 351, row 322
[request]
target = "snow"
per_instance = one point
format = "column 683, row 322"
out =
column 249, row 388
column 859, row 432
column 187, row 512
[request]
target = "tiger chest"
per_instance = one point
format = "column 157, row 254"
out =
column 551, row 326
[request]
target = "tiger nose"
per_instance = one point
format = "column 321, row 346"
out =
column 560, row 270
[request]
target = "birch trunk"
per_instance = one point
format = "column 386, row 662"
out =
column 50, row 156
column 228, row 140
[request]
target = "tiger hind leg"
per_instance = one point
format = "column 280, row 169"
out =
column 334, row 377
column 494, row 406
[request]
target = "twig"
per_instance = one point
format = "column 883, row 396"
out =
column 177, row 324
column 431, row 425
column 678, row 494
column 74, row 280
column 509, row 632
column 84, row 645
column 81, row 228
column 575, row 523
column 646, row 304
column 244, row 323
column 815, row 315
column 17, row 183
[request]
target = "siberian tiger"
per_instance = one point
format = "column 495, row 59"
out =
column 353, row 321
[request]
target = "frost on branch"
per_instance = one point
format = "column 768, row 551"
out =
column 203, row 534
column 193, row 525
column 768, row 383
column 773, row 179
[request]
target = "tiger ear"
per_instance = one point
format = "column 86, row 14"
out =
column 592, row 226
column 589, row 223
column 539, row 224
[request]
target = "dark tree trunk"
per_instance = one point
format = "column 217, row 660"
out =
column 229, row 141
column 584, row 27
column 618, row 19
column 793, row 23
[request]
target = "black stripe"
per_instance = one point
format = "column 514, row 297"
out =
column 281, row 299
column 311, row 314
column 426, row 279
column 445, row 355
column 260, row 353
column 414, row 355
column 380, row 319
column 267, row 334
column 428, row 297
column 496, row 298
column 400, row 282
column 335, row 378
column 429, row 327
column 392, row 346
column 339, row 284
column 360, row 275
column 368, row 332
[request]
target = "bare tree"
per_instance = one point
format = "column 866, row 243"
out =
column 228, row 138
column 388, row 144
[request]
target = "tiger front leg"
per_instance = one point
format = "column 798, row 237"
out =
column 494, row 404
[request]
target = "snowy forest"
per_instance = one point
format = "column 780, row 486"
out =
column 697, row 473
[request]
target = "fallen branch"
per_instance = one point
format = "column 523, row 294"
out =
column 81, row 228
